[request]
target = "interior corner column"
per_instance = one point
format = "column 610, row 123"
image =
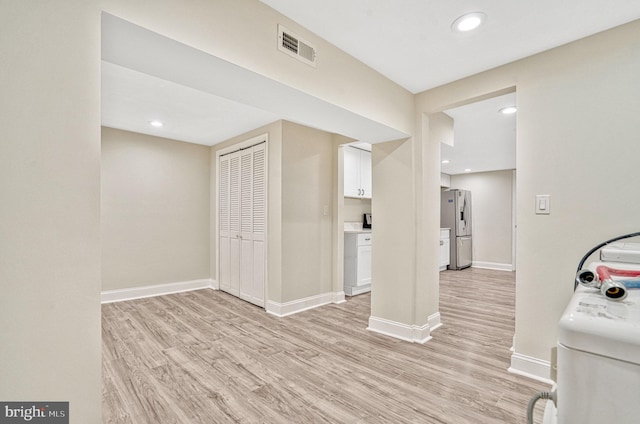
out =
column 406, row 206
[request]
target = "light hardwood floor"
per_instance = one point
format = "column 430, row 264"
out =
column 207, row 357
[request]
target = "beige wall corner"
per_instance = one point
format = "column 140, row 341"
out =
column 492, row 197
column 307, row 192
column 441, row 128
column 393, row 254
column 155, row 210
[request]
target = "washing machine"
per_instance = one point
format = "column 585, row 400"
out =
column 598, row 368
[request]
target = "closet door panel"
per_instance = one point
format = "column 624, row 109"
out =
column 258, row 225
column 223, row 223
column 246, row 223
column 242, row 223
column 258, row 286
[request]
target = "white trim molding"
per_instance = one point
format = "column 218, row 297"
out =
column 354, row 291
column 434, row 321
column 410, row 333
column 299, row 305
column 528, row 366
column 492, row 265
column 339, row 297
column 119, row 295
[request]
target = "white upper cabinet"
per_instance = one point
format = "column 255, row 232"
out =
column 357, row 173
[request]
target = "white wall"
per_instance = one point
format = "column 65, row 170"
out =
column 576, row 111
column 50, row 209
column 393, row 251
column 155, row 210
column 491, row 199
column 307, row 187
column 354, row 209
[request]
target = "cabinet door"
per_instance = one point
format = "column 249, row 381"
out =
column 352, row 172
column 444, row 252
column 364, row 265
column 365, row 173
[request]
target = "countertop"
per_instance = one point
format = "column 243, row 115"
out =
column 361, row 231
column 355, row 228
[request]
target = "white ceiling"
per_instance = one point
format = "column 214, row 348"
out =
column 484, row 138
column 409, row 41
column 131, row 99
column 201, row 98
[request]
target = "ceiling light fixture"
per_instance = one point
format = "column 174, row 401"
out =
column 468, row 22
column 467, row 170
column 508, row 110
column 156, row 123
column 446, row 161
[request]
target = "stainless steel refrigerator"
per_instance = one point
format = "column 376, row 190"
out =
column 455, row 213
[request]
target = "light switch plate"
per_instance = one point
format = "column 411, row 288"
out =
column 543, row 204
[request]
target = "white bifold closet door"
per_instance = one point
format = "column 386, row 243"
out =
column 242, row 223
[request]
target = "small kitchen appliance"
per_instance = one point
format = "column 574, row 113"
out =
column 366, row 222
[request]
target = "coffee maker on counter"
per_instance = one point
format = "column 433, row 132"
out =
column 366, row 223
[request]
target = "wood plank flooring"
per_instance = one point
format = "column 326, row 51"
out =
column 207, row 357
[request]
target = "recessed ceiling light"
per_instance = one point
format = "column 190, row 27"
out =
column 467, row 170
column 446, row 161
column 155, row 123
column 468, row 22
column 508, row 110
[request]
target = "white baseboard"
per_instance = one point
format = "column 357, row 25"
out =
column 434, row 321
column 299, row 305
column 492, row 265
column 338, row 297
column 119, row 295
column 215, row 285
column 410, row 333
column 531, row 367
column 356, row 290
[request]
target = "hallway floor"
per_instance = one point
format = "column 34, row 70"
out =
column 207, row 357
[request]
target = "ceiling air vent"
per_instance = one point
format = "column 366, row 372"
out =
column 294, row 46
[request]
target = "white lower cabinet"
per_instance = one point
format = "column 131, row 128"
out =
column 357, row 263
column 445, row 244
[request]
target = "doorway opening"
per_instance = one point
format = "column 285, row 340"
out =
column 478, row 157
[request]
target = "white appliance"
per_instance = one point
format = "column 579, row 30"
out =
column 598, row 380
column 455, row 213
